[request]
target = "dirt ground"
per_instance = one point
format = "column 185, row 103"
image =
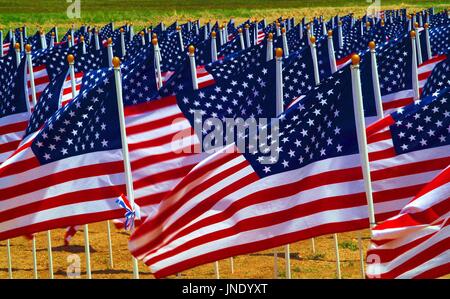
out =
column 304, row 262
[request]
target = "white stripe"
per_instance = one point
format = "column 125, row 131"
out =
column 150, row 116
column 159, row 132
column 404, row 94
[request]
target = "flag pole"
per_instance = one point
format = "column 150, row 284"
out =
column 418, row 45
column 50, row 254
column 269, row 48
column 338, row 260
column 340, row 37
column 427, row 39
column 331, row 55
column 122, row 42
column 70, row 60
column 9, row 259
column 142, row 34
column 83, row 44
column 415, row 78
column 193, row 67
column 30, row 69
column 180, row 35
column 279, row 110
column 285, row 43
column 126, row 157
column 213, row 47
column 247, row 35
column 96, row 38
column 375, row 80
column 361, row 134
column 159, row 83
column 241, row 39
column 43, row 41
column 110, row 52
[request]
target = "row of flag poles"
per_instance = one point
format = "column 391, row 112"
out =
column 160, row 56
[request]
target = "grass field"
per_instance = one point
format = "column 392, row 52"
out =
column 47, row 13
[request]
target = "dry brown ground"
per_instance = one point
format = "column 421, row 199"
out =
column 304, row 263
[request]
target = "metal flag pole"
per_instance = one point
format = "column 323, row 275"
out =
column 241, row 39
column 213, row 47
column 110, row 52
column 122, row 42
column 123, row 137
column 31, row 74
column 9, row 259
column 312, row 45
column 324, row 28
column 159, row 82
column 1, row 41
column 216, row 269
column 83, row 44
column 269, row 48
column 21, row 39
column 52, row 40
column 418, row 45
column 180, row 35
column 415, row 78
column 232, row 265
column 331, row 55
column 193, row 67
column 279, row 110
column 142, row 38
column 43, row 41
column 338, row 260
column 375, row 80
column 361, row 134
column 427, row 40
column 33, row 249
column 97, row 41
column 69, row 41
column 247, row 36
column 285, row 43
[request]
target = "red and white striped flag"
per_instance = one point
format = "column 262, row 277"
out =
column 416, row 242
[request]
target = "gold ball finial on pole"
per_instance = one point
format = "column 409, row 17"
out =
column 17, row 46
column 283, row 30
column 270, row 36
column 109, row 41
column 28, row 48
column 116, row 62
column 70, row 59
column 355, row 59
column 312, row 39
column 412, row 34
column 191, row 50
column 330, row 33
column 426, row 26
column 279, row 52
column 372, row 45
column 154, row 41
column 213, row 34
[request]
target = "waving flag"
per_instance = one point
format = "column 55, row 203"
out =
column 14, row 109
column 406, row 150
column 416, row 242
column 71, row 171
column 232, row 203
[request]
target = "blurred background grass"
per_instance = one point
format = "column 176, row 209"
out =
column 48, row 13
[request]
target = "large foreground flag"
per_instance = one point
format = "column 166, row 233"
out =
column 416, row 242
column 234, row 203
column 69, row 172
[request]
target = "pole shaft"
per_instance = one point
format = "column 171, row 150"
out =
column 376, row 84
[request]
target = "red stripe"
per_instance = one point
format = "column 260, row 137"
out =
column 63, row 176
column 61, row 223
column 8, row 147
column 302, row 210
column 68, row 198
column 150, row 106
column 162, row 176
column 155, row 124
column 397, row 103
column 161, row 140
column 206, row 83
column 18, row 167
column 410, row 168
column 376, row 137
column 435, row 272
column 420, row 258
column 261, row 245
column 15, row 127
column 379, row 125
column 153, row 159
column 382, row 154
column 151, row 199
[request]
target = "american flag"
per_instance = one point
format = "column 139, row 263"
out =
column 14, row 111
column 71, row 171
column 152, row 124
column 231, row 203
column 415, row 243
column 407, row 149
column 171, row 51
